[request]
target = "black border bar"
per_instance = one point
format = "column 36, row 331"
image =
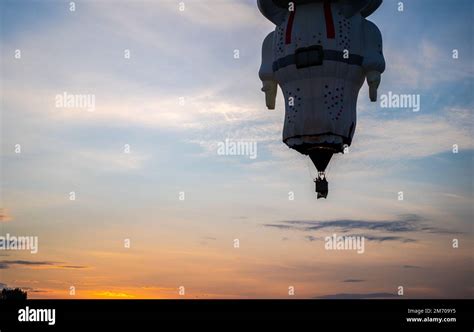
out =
column 350, row 313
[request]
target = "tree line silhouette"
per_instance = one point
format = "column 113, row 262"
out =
column 13, row 294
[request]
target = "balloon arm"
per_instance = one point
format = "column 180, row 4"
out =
column 266, row 74
column 373, row 80
column 374, row 62
column 270, row 89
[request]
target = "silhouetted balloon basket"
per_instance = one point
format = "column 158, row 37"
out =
column 321, row 158
column 322, row 186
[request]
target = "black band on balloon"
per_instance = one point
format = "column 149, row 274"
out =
column 315, row 56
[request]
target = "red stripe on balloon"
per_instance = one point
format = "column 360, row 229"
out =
column 289, row 26
column 329, row 22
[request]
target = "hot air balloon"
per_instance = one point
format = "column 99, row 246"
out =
column 320, row 54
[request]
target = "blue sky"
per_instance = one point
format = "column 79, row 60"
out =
column 190, row 55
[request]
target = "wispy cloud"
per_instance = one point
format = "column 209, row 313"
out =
column 411, row 267
column 374, row 238
column 110, row 161
column 375, row 230
column 413, row 136
column 432, row 67
column 404, row 223
column 6, row 264
column 4, row 216
column 386, row 238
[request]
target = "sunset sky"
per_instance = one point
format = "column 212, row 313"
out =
column 181, row 93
